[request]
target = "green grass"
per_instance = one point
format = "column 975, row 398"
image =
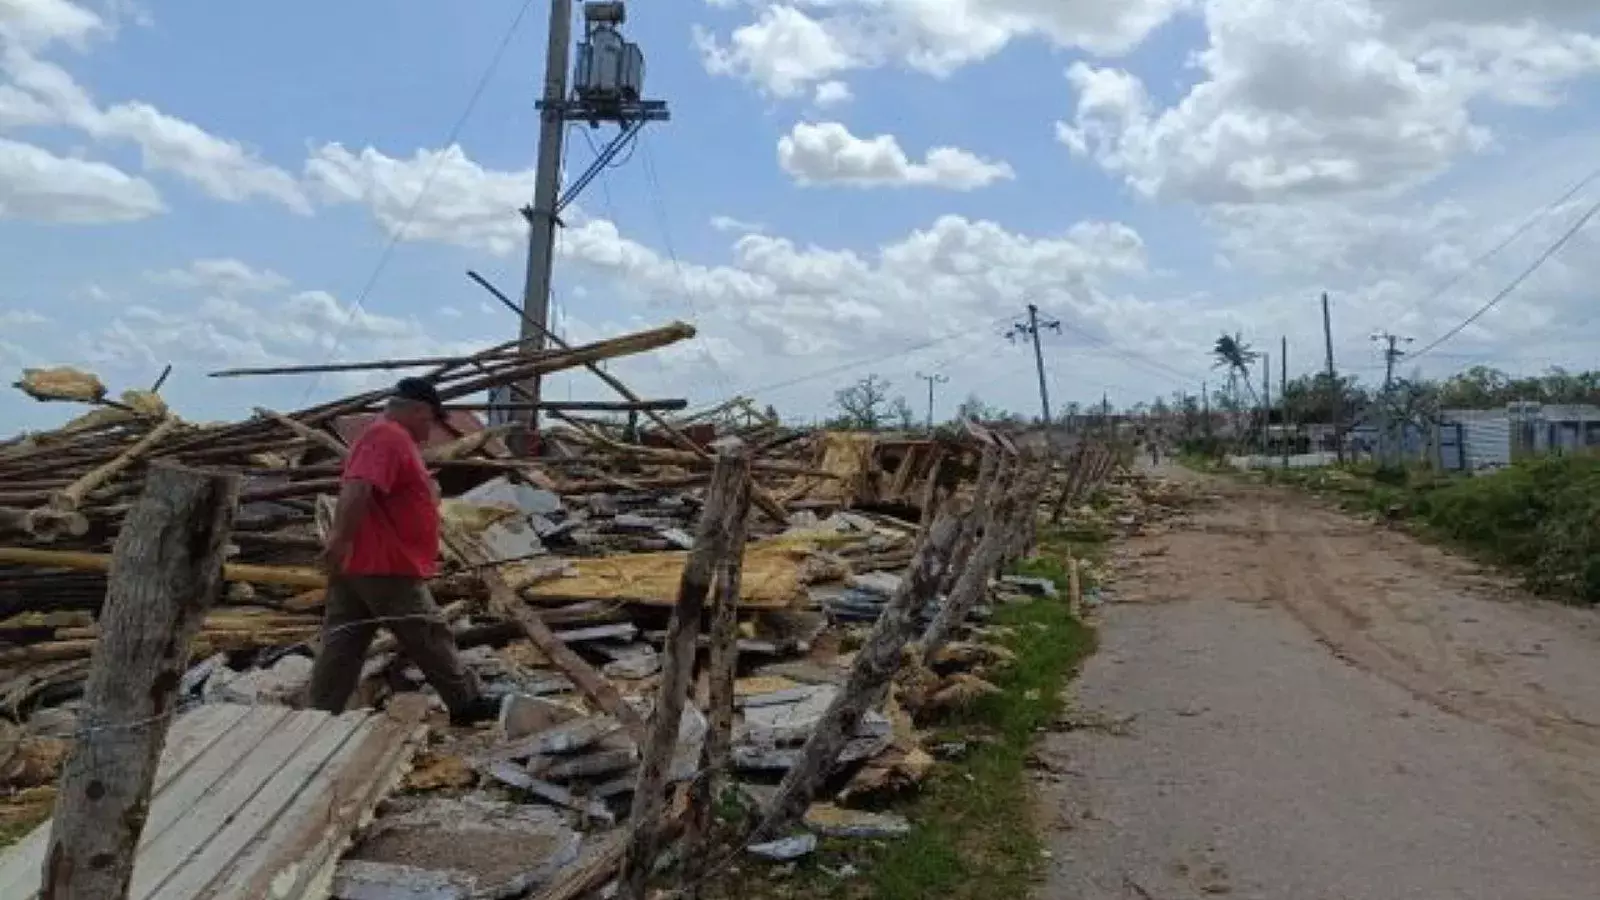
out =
column 972, row 830
column 1539, row 518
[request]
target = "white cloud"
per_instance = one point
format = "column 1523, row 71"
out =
column 1307, row 98
column 38, row 186
column 784, row 51
column 831, row 93
column 17, row 318
column 463, row 204
column 40, row 22
column 736, row 226
column 42, row 93
column 827, row 153
column 449, row 312
column 276, row 328
column 222, row 276
column 792, row 45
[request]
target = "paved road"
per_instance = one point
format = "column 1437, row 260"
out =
column 1316, row 709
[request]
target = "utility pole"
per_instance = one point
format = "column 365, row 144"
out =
column 542, row 215
column 1391, row 355
column 1205, row 407
column 1389, row 440
column 1283, row 395
column 932, row 380
column 607, row 86
column 1032, row 330
column 1266, row 405
column 1335, row 395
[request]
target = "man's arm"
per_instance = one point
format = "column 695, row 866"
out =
column 355, row 501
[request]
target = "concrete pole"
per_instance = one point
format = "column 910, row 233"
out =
column 546, row 193
column 1038, row 359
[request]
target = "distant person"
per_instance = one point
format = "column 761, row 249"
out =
column 382, row 549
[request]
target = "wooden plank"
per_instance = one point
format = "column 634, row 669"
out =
column 329, row 736
column 191, row 738
column 186, row 842
column 301, row 848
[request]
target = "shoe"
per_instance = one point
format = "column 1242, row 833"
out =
column 483, row 709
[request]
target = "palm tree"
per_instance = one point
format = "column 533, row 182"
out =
column 1232, row 353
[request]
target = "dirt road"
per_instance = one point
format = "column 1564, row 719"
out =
column 1291, row 705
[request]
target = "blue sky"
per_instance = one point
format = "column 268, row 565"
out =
column 213, row 184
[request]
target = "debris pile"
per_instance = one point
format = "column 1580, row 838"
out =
column 568, row 579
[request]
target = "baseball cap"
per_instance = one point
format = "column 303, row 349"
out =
column 422, row 391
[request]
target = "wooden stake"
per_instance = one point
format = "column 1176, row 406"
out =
column 968, row 587
column 711, row 547
column 723, row 665
column 168, row 572
column 72, row 496
column 876, row 663
column 288, row 576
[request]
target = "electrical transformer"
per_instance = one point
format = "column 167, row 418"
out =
column 610, row 70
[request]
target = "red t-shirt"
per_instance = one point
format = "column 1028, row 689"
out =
column 401, row 533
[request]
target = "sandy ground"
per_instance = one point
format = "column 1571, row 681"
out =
column 1292, row 705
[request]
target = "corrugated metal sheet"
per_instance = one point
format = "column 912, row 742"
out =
column 1485, row 436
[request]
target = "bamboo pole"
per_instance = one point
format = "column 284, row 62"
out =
column 288, row 576
column 314, row 435
column 72, row 496
column 760, row 497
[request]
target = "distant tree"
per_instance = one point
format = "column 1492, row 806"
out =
column 973, row 409
column 902, row 415
column 863, row 406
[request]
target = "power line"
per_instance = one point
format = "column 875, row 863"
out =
column 1517, row 282
column 1511, row 238
column 411, row 211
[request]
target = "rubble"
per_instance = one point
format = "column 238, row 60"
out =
column 589, row 540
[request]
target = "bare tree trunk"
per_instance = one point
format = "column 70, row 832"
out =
column 166, row 572
column 876, row 663
column 729, row 482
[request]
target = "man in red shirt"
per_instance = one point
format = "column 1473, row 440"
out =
column 382, row 549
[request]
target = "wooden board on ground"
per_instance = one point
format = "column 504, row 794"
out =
column 251, row 801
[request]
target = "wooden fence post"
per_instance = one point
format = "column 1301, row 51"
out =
column 991, row 470
column 723, row 661
column 729, row 480
column 972, row 581
column 875, row 665
column 165, row 572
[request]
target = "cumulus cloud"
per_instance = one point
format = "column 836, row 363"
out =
column 37, row 92
column 831, row 93
column 790, row 46
column 1311, row 98
column 463, row 204
column 827, row 153
column 222, row 276
column 38, row 186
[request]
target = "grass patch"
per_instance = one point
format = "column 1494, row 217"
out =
column 972, row 832
column 1539, row 517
